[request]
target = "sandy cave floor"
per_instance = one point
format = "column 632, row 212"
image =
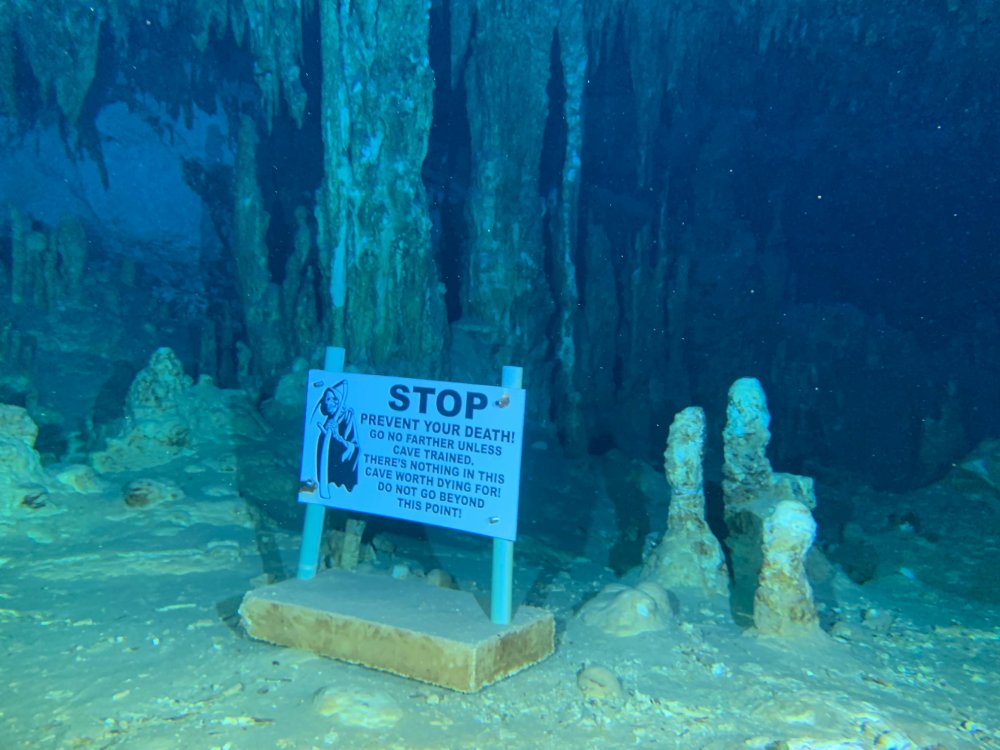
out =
column 118, row 629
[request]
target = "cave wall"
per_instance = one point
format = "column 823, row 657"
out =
column 638, row 202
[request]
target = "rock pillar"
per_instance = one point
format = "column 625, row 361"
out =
column 750, row 488
column 783, row 604
column 689, row 556
column 386, row 299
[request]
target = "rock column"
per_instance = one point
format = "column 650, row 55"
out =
column 750, row 488
column 689, row 556
column 783, row 604
column 387, row 302
column 260, row 296
column 505, row 290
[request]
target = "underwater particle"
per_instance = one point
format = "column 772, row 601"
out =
column 143, row 493
column 600, row 685
column 370, row 710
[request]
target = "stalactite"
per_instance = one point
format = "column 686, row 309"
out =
column 207, row 18
column 61, row 46
column 275, row 28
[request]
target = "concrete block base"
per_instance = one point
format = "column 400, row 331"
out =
column 410, row 628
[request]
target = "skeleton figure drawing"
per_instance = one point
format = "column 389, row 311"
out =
column 337, row 449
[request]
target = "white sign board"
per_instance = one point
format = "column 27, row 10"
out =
column 447, row 454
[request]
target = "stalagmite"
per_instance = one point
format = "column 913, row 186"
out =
column 71, row 249
column 19, row 266
column 783, row 603
column 751, row 489
column 689, row 556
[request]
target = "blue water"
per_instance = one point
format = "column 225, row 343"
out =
column 636, row 202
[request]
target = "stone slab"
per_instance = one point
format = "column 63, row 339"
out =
column 409, row 628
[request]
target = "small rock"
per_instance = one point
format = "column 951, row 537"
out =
column 370, row 710
column 79, row 478
column 600, row 684
column 623, row 611
column 145, row 492
column 401, row 571
column 441, row 578
column 383, row 544
column 16, row 423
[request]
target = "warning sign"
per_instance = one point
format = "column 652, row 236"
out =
column 442, row 453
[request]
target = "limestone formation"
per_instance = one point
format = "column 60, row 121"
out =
column 750, row 488
column 15, row 423
column 502, row 57
column 158, row 388
column 260, row 296
column 78, row 478
column 47, row 264
column 783, row 603
column 17, row 353
column 564, row 223
column 624, row 611
column 20, row 267
column 23, row 482
column 979, row 471
column 440, row 577
column 143, row 493
column 350, row 551
column 42, row 272
column 70, row 241
column 166, row 416
column 600, row 685
column 689, row 556
column 372, row 710
column 386, row 302
column 61, row 46
column 8, row 93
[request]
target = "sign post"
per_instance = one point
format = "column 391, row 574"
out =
column 503, row 549
column 441, row 453
column 447, row 454
column 312, row 527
